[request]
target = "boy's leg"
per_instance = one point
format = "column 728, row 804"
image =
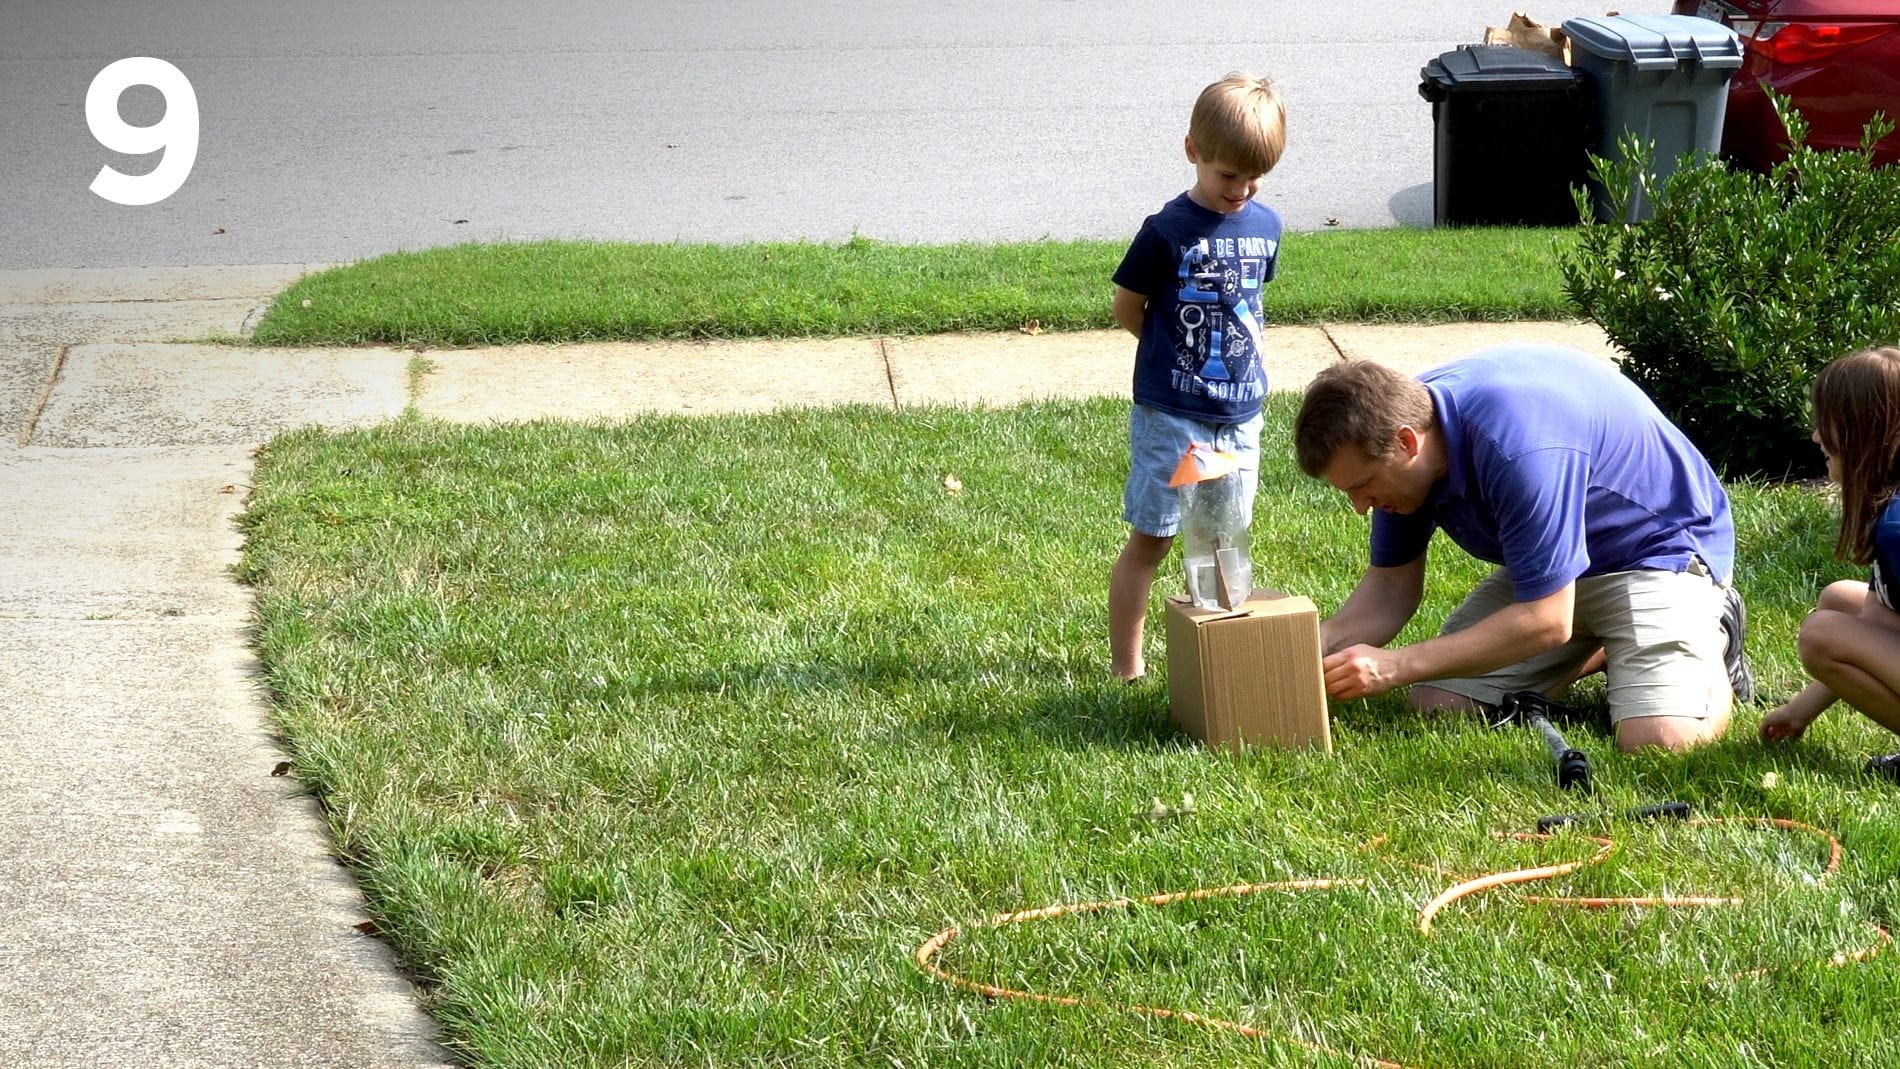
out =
column 1156, row 443
column 1152, row 510
column 1663, row 640
column 1128, row 590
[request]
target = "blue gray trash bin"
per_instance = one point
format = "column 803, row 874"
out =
column 1662, row 77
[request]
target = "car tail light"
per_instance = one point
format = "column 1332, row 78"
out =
column 1796, row 43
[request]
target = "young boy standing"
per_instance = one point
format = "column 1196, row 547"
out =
column 1189, row 290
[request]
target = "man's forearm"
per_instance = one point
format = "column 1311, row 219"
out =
column 1365, row 624
column 1514, row 633
column 1378, row 608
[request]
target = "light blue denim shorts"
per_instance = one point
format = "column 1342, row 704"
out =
column 1157, row 441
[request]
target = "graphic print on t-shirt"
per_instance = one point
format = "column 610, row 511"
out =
column 1216, row 328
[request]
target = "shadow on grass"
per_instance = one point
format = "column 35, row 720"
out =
column 948, row 697
column 1055, row 711
column 1732, row 768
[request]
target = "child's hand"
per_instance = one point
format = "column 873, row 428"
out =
column 1785, row 723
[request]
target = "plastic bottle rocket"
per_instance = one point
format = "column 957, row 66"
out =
column 1215, row 513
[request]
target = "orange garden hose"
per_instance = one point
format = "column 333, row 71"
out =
column 927, row 954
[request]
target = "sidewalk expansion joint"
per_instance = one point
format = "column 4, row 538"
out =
column 1327, row 333
column 46, row 396
column 890, row 374
column 127, row 619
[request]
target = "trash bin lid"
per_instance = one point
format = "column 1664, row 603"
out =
column 1657, row 42
column 1492, row 67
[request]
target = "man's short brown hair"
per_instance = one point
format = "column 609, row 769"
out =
column 1357, row 402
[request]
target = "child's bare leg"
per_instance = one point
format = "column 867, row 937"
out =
column 1790, row 720
column 1848, row 596
column 1857, row 657
column 1128, row 589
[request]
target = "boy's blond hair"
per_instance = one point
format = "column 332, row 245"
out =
column 1240, row 121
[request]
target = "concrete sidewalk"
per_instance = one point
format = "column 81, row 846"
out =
column 170, row 901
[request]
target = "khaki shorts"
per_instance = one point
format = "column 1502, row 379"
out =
column 1661, row 635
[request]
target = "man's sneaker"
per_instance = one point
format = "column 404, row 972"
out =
column 1520, row 705
column 1741, row 678
column 1888, row 767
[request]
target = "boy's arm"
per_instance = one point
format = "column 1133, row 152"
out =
column 1129, row 309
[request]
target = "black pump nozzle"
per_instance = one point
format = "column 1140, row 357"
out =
column 1532, row 709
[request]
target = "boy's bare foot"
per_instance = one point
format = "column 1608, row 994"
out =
column 1127, row 675
column 1784, row 723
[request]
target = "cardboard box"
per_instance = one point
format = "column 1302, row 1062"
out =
column 1248, row 675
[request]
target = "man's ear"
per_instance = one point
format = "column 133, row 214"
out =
column 1408, row 441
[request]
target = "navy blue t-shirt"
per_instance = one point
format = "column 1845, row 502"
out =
column 1203, row 272
column 1886, row 569
column 1560, row 468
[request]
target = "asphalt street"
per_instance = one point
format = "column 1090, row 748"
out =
column 332, row 131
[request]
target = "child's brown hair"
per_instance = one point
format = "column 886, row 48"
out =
column 1240, row 121
column 1856, row 401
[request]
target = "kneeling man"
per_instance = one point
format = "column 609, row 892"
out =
column 1611, row 534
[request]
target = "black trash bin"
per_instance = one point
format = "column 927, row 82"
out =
column 1512, row 133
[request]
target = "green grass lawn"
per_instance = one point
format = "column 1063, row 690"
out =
column 585, row 291
column 665, row 743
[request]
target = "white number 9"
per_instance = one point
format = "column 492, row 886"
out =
column 176, row 135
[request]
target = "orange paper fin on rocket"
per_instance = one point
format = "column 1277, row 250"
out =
column 1201, row 463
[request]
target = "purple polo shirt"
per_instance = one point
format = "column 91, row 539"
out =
column 1560, row 468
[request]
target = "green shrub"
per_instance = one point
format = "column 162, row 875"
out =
column 1742, row 285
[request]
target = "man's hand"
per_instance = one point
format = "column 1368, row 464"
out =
column 1360, row 672
column 1519, row 630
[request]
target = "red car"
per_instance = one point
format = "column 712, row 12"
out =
column 1837, row 60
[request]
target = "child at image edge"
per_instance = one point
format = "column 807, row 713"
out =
column 1850, row 644
column 1189, row 289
